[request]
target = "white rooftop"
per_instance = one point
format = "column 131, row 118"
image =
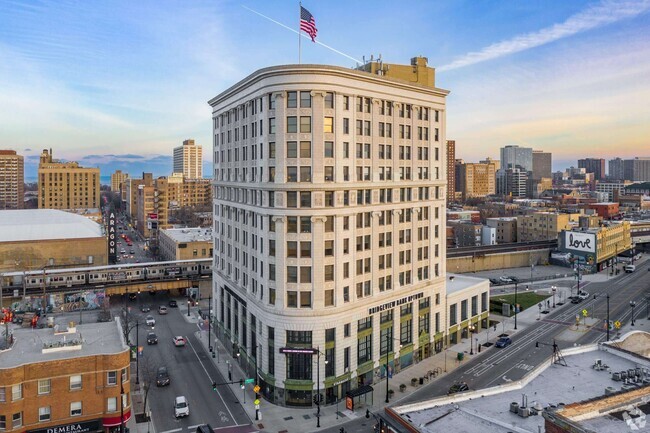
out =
column 189, row 234
column 45, row 224
column 457, row 283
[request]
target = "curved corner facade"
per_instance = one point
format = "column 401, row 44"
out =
column 329, row 207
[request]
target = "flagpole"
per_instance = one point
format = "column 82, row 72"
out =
column 299, row 18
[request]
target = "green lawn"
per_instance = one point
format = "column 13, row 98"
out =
column 525, row 300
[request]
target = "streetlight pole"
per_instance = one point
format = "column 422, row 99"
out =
column 515, row 305
column 471, row 339
column 317, row 387
column 608, row 317
column 553, row 289
column 209, row 317
column 188, row 302
column 137, row 353
column 632, row 304
column 389, row 338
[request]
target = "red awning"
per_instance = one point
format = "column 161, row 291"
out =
column 113, row 421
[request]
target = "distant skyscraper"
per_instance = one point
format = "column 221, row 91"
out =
column 637, row 169
column 117, row 180
column 188, row 160
column 616, row 168
column 12, row 180
column 451, row 170
column 476, row 180
column 66, row 185
column 512, row 182
column 513, row 156
column 541, row 164
column 593, row 165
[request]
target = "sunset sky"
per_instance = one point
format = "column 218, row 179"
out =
column 112, row 82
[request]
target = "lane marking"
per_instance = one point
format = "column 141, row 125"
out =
column 208, row 374
column 172, row 431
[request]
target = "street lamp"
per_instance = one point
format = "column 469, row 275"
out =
column 188, row 302
column 471, row 346
column 515, row 305
column 389, row 338
column 318, row 354
column 632, row 304
column 209, row 331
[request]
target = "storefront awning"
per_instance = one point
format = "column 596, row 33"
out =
column 359, row 391
column 113, row 421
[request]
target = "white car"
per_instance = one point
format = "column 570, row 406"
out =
column 179, row 341
column 150, row 321
column 583, row 295
column 181, row 407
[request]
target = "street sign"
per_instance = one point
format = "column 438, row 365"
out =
column 249, row 381
column 257, row 403
column 585, row 312
column 256, row 389
column 257, row 406
column 617, row 324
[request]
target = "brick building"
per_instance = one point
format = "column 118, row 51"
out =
column 54, row 379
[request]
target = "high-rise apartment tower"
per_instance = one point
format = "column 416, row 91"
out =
column 188, row 160
column 66, row 185
column 12, row 180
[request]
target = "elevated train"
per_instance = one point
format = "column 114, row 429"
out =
column 106, row 275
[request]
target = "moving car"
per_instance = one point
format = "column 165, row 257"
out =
column 162, row 377
column 145, row 308
column 181, row 407
column 162, row 310
column 152, row 338
column 630, row 268
column 204, row 428
column 505, row 279
column 179, row 341
column 495, row 281
column 503, row 342
column 458, row 387
column 150, row 321
column 513, row 279
column 583, row 295
column 173, row 303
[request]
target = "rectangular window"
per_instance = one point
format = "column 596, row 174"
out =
column 305, row 199
column 271, row 102
column 329, row 100
column 346, row 125
column 305, row 299
column 329, row 272
column 305, row 99
column 292, row 199
column 17, row 420
column 272, row 125
column 305, row 224
column 292, row 99
column 305, row 124
column 305, row 149
column 292, row 274
column 305, row 174
column 305, row 249
column 111, row 404
column 328, row 124
column 44, row 414
column 452, row 315
column 292, row 124
column 16, row 392
column 292, row 249
column 305, row 275
column 329, row 173
column 75, row 408
column 75, row 381
column 111, row 378
column 346, row 103
column 328, row 149
column 364, row 349
column 44, row 386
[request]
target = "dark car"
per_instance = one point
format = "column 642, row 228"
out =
column 162, row 377
column 173, row 303
column 495, row 281
column 503, row 342
column 458, row 387
column 152, row 338
column 575, row 299
column 514, row 279
column 145, row 308
column 204, row 428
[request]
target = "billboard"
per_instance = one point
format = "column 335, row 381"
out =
column 112, row 240
column 578, row 241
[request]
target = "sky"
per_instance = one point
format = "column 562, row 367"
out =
column 119, row 84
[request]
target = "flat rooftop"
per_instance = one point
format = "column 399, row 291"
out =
column 96, row 339
column 555, row 386
column 45, row 224
column 458, row 283
column 190, row 234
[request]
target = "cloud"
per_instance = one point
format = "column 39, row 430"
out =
column 606, row 12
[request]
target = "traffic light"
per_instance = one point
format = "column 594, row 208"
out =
column 367, row 413
column 241, row 383
column 214, row 386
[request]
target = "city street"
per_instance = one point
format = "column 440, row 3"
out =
column 190, row 369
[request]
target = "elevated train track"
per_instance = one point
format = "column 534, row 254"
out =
column 115, row 279
column 500, row 248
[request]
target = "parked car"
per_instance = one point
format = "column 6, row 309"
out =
column 495, row 281
column 173, row 303
column 513, row 279
column 179, row 341
column 181, row 407
column 150, row 321
column 133, row 296
column 505, row 279
column 162, row 310
column 162, row 377
column 583, row 295
column 152, row 338
column 145, row 308
column 503, row 342
column 575, row 299
column 458, row 387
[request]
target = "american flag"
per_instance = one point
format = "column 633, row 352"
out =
column 308, row 23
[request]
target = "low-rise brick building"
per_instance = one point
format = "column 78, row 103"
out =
column 56, row 379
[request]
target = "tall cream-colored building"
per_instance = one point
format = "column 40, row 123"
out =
column 66, row 185
column 329, row 234
column 188, row 159
column 476, row 180
column 118, row 183
column 12, row 180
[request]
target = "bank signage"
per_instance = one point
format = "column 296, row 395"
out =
column 395, row 303
column 112, row 238
column 77, row 427
column 577, row 241
column 306, row 351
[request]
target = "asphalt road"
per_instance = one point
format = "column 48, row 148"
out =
column 518, row 359
column 191, row 372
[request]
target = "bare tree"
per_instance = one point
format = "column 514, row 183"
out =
column 148, row 371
